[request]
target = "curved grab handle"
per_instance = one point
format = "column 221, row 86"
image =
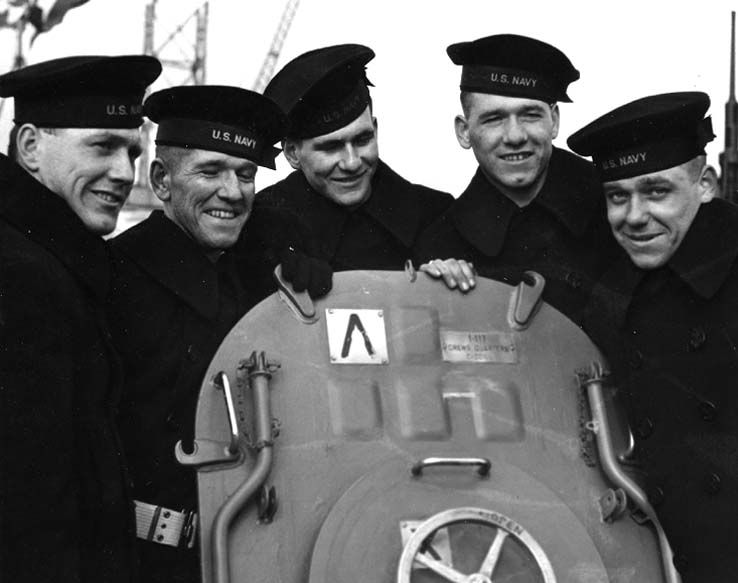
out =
column 525, row 300
column 299, row 302
column 482, row 464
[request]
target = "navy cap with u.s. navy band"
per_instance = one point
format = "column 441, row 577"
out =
column 81, row 91
column 218, row 118
column 647, row 135
column 514, row 66
column 323, row 90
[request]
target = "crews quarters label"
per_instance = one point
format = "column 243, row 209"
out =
column 465, row 346
column 356, row 336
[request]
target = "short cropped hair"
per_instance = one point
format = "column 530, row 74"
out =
column 695, row 166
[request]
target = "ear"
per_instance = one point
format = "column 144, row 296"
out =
column 27, row 143
column 555, row 118
column 291, row 150
column 461, row 125
column 160, row 179
column 376, row 125
column 708, row 184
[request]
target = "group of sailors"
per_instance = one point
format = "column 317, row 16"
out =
column 105, row 343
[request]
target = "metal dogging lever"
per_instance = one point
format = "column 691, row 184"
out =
column 259, row 372
column 593, row 383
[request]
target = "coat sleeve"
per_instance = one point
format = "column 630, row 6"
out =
column 39, row 490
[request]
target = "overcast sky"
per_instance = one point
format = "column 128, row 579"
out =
column 624, row 50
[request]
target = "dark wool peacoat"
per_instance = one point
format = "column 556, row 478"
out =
column 170, row 307
column 671, row 336
column 378, row 234
column 563, row 234
column 65, row 510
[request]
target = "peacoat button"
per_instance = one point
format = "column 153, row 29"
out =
column 636, row 359
column 172, row 423
column 697, row 337
column 712, row 484
column 656, row 495
column 574, row 279
column 645, row 428
column 708, row 411
column 147, row 490
column 191, row 353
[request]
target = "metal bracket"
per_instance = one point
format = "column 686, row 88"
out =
column 267, row 504
column 206, row 452
column 613, row 504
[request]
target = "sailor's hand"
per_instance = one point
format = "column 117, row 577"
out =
column 456, row 273
column 306, row 273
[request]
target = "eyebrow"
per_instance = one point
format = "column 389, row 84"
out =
column 337, row 143
column 650, row 181
column 136, row 146
column 513, row 111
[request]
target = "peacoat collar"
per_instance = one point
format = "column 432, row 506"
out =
column 570, row 193
column 46, row 219
column 709, row 249
column 386, row 205
column 165, row 252
column 703, row 262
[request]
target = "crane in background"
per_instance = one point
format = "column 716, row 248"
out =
column 178, row 54
column 174, row 57
column 267, row 67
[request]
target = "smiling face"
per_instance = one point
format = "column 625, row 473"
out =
column 92, row 169
column 339, row 165
column 650, row 214
column 207, row 194
column 511, row 138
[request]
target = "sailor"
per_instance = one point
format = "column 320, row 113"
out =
column 530, row 205
column 182, row 278
column 666, row 315
column 64, row 500
column 362, row 213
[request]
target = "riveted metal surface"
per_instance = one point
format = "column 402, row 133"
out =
column 340, row 422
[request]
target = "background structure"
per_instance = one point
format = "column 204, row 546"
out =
column 624, row 51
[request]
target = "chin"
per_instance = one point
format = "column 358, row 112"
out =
column 101, row 226
column 648, row 262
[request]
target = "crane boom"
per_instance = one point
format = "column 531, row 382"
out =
column 267, row 67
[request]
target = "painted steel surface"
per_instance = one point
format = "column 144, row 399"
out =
column 459, row 379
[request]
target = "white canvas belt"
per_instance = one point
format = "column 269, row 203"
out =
column 165, row 526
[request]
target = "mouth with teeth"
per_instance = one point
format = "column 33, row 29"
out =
column 516, row 157
column 221, row 214
column 109, row 198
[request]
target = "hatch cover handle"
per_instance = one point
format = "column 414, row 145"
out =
column 482, row 464
column 526, row 299
column 299, row 302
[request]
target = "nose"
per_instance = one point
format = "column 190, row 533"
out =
column 350, row 160
column 230, row 189
column 122, row 168
column 514, row 131
column 636, row 214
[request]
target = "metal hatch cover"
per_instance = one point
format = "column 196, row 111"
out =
column 337, row 422
column 374, row 507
